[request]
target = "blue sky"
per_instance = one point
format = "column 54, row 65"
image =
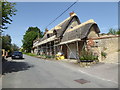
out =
column 40, row 14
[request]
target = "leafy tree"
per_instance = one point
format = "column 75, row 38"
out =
column 8, row 11
column 118, row 31
column 112, row 31
column 6, row 42
column 21, row 49
column 14, row 47
column 31, row 34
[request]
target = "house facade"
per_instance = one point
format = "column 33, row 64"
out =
column 68, row 37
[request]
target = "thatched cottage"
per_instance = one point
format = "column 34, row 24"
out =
column 68, row 37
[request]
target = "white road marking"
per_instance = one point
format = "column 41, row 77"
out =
column 97, row 77
column 90, row 74
column 18, row 60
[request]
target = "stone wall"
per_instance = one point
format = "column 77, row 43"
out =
column 107, row 45
column 110, row 46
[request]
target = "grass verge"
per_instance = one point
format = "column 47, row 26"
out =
column 40, row 56
column 30, row 54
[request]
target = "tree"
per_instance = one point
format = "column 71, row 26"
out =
column 31, row 34
column 112, row 31
column 6, row 42
column 14, row 47
column 8, row 11
column 118, row 31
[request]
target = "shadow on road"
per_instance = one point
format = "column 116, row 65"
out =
column 13, row 66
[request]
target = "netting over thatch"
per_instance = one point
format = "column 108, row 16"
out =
column 69, row 30
column 80, row 31
column 60, row 28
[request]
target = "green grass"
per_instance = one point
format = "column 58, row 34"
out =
column 43, row 56
column 30, row 54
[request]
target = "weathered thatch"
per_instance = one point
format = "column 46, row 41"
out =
column 80, row 31
column 60, row 28
column 47, row 40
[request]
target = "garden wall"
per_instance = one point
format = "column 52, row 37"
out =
column 108, row 45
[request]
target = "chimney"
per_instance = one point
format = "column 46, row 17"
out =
column 71, row 13
column 46, row 30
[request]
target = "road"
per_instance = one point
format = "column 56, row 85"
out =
column 32, row 72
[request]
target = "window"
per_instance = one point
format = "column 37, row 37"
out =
column 55, row 32
column 48, row 35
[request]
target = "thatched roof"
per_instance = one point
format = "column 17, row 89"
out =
column 60, row 28
column 46, row 41
column 80, row 31
column 70, row 41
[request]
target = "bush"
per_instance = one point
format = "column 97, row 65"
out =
column 85, row 55
column 104, row 54
column 48, row 56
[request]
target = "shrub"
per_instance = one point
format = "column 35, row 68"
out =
column 104, row 54
column 87, row 55
column 49, row 56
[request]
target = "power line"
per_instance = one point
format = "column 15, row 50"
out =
column 62, row 13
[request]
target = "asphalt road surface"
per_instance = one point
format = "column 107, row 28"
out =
column 32, row 72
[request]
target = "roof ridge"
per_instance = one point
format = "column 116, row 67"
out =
column 82, row 24
column 62, row 22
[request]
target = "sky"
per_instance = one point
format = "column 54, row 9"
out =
column 40, row 14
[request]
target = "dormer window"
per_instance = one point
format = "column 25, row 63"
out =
column 48, row 35
column 55, row 32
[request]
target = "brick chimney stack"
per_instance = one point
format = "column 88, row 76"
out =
column 46, row 30
column 71, row 13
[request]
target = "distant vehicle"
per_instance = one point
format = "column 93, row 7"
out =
column 17, row 55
